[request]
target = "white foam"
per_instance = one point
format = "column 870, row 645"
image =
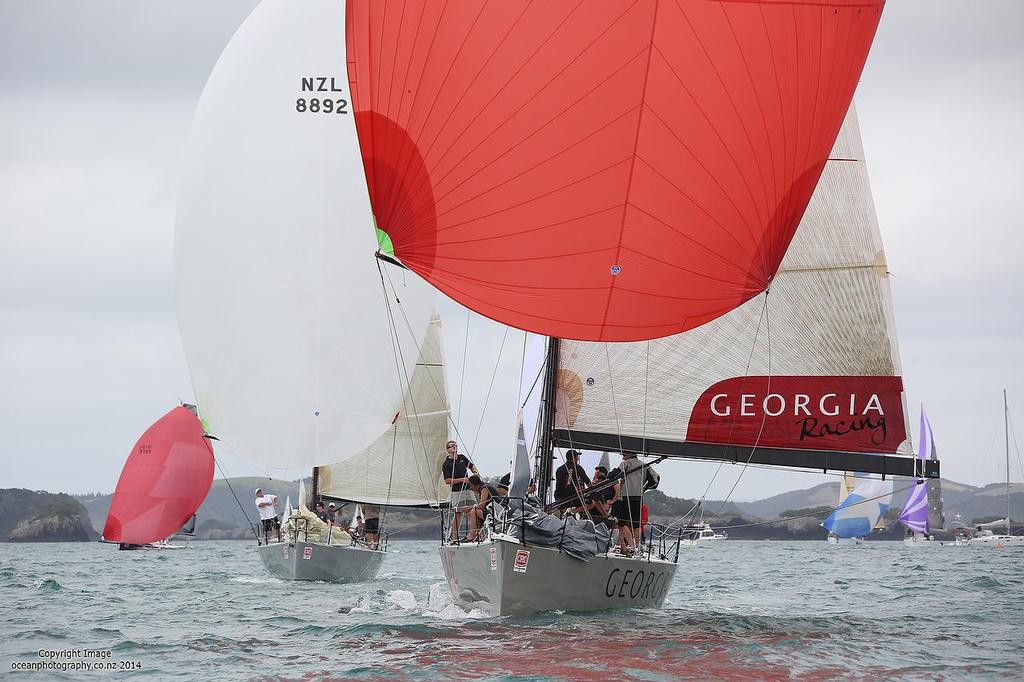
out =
column 253, row 580
column 402, row 599
column 363, row 606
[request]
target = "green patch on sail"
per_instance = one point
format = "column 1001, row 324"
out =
column 384, row 242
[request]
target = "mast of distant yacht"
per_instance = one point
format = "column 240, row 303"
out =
column 1006, row 428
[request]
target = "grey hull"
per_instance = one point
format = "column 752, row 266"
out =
column 330, row 563
column 503, row 577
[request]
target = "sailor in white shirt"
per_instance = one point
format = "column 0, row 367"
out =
column 267, row 506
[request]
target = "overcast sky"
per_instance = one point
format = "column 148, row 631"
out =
column 96, row 100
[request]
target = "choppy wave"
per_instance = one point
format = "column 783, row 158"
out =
column 765, row 610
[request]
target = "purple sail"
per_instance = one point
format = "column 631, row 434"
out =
column 915, row 512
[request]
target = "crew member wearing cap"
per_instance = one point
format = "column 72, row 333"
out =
column 456, row 470
column 570, row 478
column 267, row 507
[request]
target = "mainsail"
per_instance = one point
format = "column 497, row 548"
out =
column 857, row 515
column 923, row 509
column 285, row 326
column 600, row 170
column 402, row 467
column 167, row 476
column 807, row 375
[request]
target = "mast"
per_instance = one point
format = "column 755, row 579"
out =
column 546, row 446
column 1006, row 428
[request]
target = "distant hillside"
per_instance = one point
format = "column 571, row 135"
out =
column 825, row 494
column 37, row 516
column 219, row 518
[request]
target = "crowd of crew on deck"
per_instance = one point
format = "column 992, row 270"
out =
column 613, row 498
column 364, row 528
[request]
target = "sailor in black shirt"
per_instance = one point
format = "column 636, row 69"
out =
column 455, row 471
column 570, row 478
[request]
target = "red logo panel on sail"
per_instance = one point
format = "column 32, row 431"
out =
column 842, row 413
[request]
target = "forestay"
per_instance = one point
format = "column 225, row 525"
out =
column 402, row 467
column 279, row 298
column 600, row 170
column 812, row 366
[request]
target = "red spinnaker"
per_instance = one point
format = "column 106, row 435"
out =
column 600, row 170
column 166, row 478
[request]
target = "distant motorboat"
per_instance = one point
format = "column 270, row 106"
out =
column 700, row 535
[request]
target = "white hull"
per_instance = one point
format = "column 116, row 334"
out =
column 833, row 540
column 999, row 541
column 314, row 561
column 702, row 542
column 503, row 577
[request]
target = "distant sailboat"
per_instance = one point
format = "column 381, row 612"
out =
column 301, row 333
column 640, row 238
column 167, row 476
column 923, row 509
column 857, row 514
column 986, row 537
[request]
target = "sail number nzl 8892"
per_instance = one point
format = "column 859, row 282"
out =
column 329, row 103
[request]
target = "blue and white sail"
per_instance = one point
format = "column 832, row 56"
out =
column 860, row 511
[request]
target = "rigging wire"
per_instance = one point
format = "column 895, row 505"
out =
column 438, row 391
column 764, row 416
column 490, row 388
column 810, row 514
column 746, row 373
column 465, row 352
column 400, row 367
column 237, row 501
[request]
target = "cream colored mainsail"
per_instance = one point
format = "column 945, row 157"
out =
column 829, row 310
column 403, row 466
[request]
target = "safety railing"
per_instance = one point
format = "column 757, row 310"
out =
column 500, row 518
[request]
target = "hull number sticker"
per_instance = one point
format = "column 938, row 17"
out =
column 307, row 552
column 286, row 552
column 494, row 559
column 522, row 560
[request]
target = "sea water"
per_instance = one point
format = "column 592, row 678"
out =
column 736, row 609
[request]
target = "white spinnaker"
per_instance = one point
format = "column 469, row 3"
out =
column 403, row 466
column 829, row 308
column 279, row 299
